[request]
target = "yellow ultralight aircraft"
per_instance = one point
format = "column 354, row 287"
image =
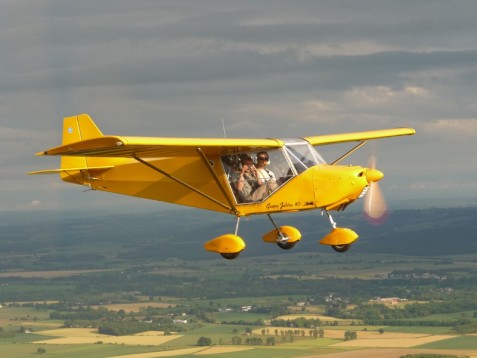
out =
column 280, row 175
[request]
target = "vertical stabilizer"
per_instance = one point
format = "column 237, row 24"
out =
column 79, row 128
column 75, row 129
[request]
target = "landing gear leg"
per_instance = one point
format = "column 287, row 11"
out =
column 281, row 237
column 237, row 223
column 330, row 218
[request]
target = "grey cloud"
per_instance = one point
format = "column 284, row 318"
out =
column 332, row 73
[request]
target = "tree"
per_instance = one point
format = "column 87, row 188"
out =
column 236, row 340
column 270, row 341
column 204, row 341
column 41, row 350
column 350, row 335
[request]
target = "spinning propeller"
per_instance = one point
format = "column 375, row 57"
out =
column 375, row 207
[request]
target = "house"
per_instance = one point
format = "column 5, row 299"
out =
column 179, row 321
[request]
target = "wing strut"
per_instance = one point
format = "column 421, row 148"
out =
column 180, row 182
column 349, row 152
column 217, row 180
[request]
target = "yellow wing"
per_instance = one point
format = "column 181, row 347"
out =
column 82, row 138
column 151, row 147
column 358, row 136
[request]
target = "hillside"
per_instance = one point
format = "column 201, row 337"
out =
column 73, row 240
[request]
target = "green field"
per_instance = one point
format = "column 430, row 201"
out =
column 461, row 342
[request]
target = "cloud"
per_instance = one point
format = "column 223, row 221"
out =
column 454, row 128
column 169, row 68
column 34, row 204
column 383, row 95
column 444, row 185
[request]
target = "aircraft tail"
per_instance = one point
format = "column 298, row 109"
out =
column 75, row 129
column 78, row 169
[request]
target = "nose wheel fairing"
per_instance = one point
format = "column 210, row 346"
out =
column 339, row 236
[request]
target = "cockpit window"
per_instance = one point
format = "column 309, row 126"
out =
column 253, row 176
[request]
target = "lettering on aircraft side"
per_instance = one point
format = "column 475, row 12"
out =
column 286, row 205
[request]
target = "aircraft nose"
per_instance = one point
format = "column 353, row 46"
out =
column 374, row 175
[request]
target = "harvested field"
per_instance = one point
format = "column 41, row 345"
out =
column 329, row 333
column 371, row 338
column 176, row 352
column 187, row 351
column 311, row 316
column 91, row 336
column 393, row 353
column 223, row 349
column 388, row 340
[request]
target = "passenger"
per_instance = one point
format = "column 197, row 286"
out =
column 245, row 181
column 264, row 175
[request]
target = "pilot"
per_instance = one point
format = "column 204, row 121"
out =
column 246, row 179
column 266, row 180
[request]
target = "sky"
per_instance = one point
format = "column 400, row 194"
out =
column 268, row 68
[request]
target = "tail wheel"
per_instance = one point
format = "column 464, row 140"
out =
column 341, row 248
column 230, row 256
column 286, row 245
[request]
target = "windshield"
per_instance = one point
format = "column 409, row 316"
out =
column 302, row 155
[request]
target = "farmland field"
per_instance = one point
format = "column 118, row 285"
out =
column 151, row 302
column 75, row 342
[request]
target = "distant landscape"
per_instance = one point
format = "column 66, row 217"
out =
column 74, row 284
